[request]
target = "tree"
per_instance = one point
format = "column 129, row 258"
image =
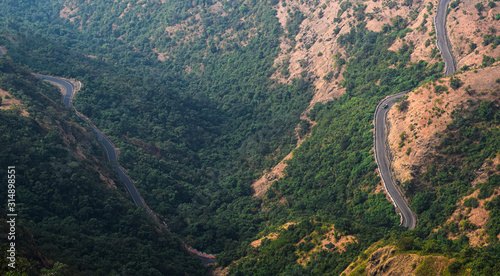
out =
column 479, row 7
column 455, row 82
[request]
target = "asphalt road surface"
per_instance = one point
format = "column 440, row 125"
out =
column 108, row 146
column 442, row 38
column 408, row 218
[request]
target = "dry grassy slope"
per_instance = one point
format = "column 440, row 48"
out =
column 465, row 27
column 429, row 113
column 387, row 261
column 317, row 41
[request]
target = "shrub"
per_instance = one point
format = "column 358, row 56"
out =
column 479, row 7
column 455, row 83
column 471, row 202
column 440, row 88
column 454, row 4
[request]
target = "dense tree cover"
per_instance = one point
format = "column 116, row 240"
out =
column 200, row 139
column 61, row 200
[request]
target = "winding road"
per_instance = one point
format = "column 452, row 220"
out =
column 408, row 218
column 108, row 146
column 443, row 42
column 112, row 158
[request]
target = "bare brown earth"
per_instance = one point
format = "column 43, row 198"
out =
column 68, row 11
column 429, row 114
column 317, row 42
column 262, row 184
column 387, row 261
column 3, row 49
column 273, row 235
column 219, row 271
column 11, row 103
column 332, row 237
column 149, row 148
column 465, row 27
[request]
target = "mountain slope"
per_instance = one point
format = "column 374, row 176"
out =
column 78, row 225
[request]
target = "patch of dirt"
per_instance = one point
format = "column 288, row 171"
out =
column 486, row 170
column 3, row 49
column 68, row 11
column 261, row 185
column 110, row 183
column 379, row 188
column 465, row 26
column 428, row 114
column 341, row 243
column 12, row 103
column 257, row 243
column 217, row 8
column 161, row 56
column 219, row 271
column 127, row 9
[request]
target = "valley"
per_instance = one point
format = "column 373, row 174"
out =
column 254, row 130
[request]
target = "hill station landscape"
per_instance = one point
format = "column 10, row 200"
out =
column 250, row 137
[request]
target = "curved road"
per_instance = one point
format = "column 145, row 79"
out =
column 408, row 218
column 108, row 146
column 443, row 43
column 111, row 154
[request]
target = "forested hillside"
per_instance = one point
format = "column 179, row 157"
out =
column 71, row 221
column 204, row 97
column 192, row 142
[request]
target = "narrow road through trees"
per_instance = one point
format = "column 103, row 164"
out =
column 112, row 158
